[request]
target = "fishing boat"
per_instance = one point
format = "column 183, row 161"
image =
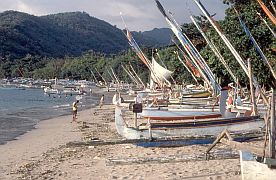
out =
column 49, row 90
column 156, row 123
column 203, row 94
column 187, row 128
column 71, row 92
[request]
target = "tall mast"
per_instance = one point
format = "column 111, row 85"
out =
column 231, row 48
column 214, row 49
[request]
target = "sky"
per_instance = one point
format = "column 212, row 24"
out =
column 139, row 15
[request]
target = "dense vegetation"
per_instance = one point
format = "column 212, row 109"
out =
column 234, row 32
column 38, row 65
column 63, row 34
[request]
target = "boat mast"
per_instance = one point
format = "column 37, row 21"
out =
column 179, row 58
column 231, row 48
column 214, row 49
column 255, row 44
column 131, row 76
column 270, row 29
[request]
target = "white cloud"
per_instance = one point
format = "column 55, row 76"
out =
column 139, row 14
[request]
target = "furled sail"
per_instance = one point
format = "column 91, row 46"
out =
column 189, row 48
column 158, row 73
column 187, row 68
column 142, row 56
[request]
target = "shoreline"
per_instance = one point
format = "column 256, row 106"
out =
column 43, row 154
column 47, row 134
column 37, row 114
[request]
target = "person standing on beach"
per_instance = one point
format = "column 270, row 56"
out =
column 101, row 101
column 75, row 110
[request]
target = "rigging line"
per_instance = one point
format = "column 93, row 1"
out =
column 117, row 79
column 136, row 75
column 179, row 58
column 121, row 14
column 94, row 76
column 195, row 53
column 267, row 25
column 110, row 75
column 131, row 76
column 162, row 62
column 203, row 76
column 214, row 49
column 101, row 76
column 255, row 44
column 272, row 5
column 230, row 46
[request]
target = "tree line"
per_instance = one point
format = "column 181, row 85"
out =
column 81, row 67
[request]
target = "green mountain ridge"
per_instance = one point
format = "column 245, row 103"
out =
column 62, row 34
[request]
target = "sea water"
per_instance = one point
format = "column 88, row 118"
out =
column 21, row 110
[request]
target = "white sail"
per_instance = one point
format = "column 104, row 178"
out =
column 160, row 72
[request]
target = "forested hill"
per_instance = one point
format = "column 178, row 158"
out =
column 63, row 34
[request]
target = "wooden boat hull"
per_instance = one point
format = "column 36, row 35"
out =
column 178, row 114
column 190, row 129
column 204, row 94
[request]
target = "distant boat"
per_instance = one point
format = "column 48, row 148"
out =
column 49, row 90
column 12, row 87
column 71, row 92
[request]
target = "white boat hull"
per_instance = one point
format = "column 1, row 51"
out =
column 212, row 130
column 251, row 169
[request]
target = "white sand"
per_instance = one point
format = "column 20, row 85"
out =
column 30, row 146
column 39, row 154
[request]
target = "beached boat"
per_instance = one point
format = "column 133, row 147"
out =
column 178, row 114
column 202, row 94
column 187, row 128
column 159, row 122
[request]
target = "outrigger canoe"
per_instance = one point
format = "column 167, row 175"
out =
column 187, row 128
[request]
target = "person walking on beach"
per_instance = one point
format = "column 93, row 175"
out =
column 101, row 101
column 75, row 110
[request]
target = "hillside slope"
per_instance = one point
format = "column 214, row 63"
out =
column 63, row 34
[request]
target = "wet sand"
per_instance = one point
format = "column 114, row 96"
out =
column 43, row 154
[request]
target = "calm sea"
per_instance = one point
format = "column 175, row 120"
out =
column 20, row 110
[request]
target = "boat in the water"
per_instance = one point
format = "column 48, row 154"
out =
column 71, row 91
column 49, row 90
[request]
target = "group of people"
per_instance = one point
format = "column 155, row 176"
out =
column 75, row 108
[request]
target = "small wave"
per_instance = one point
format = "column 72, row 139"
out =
column 60, row 106
column 36, row 100
column 2, row 110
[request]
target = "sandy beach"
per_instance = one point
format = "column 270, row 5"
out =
column 44, row 153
